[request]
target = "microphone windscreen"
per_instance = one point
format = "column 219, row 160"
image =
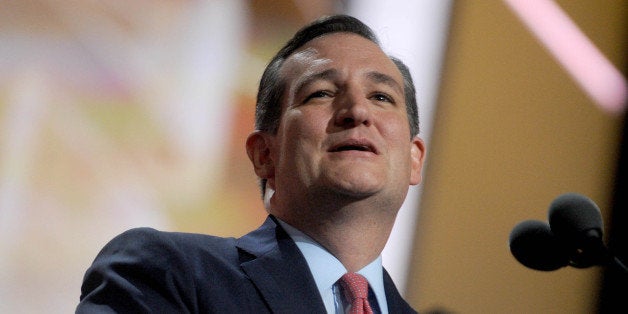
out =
column 534, row 245
column 572, row 215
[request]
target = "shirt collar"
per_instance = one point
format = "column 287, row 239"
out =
column 327, row 269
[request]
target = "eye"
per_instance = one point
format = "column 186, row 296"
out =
column 318, row 94
column 383, row 97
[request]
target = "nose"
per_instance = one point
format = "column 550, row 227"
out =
column 352, row 110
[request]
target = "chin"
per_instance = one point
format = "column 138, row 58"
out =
column 357, row 189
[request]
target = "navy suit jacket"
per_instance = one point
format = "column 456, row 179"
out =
column 148, row 271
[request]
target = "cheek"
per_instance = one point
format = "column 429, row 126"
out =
column 395, row 128
column 306, row 125
column 302, row 133
column 396, row 132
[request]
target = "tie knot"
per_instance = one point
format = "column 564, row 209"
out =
column 355, row 286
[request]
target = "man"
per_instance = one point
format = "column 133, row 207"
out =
column 336, row 149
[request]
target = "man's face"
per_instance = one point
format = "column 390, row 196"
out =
column 343, row 127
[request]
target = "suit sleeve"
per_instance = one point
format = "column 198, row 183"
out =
column 139, row 271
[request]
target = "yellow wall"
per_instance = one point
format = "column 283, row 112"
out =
column 512, row 132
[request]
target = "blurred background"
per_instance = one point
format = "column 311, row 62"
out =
column 119, row 114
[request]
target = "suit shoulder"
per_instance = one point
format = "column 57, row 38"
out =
column 147, row 234
column 150, row 243
column 144, row 270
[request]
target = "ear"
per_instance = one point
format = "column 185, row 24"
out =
column 258, row 148
column 417, row 155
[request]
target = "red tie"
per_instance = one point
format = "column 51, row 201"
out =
column 356, row 290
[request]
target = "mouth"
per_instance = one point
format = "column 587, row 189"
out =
column 354, row 145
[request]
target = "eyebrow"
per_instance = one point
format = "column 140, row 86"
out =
column 332, row 74
column 327, row 75
column 385, row 79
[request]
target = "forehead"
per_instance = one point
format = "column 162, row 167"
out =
column 342, row 51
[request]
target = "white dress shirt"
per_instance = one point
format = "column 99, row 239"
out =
column 327, row 270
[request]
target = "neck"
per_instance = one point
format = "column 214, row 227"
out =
column 354, row 233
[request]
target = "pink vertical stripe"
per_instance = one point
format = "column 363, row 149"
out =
column 573, row 50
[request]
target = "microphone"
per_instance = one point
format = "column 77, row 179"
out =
column 573, row 237
column 577, row 222
column 534, row 245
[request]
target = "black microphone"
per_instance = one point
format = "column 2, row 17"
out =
column 534, row 245
column 573, row 237
column 577, row 223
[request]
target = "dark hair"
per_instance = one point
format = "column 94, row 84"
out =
column 272, row 85
column 412, row 109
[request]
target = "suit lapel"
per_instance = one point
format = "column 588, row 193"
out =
column 396, row 304
column 279, row 271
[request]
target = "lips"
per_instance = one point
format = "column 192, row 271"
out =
column 354, row 145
